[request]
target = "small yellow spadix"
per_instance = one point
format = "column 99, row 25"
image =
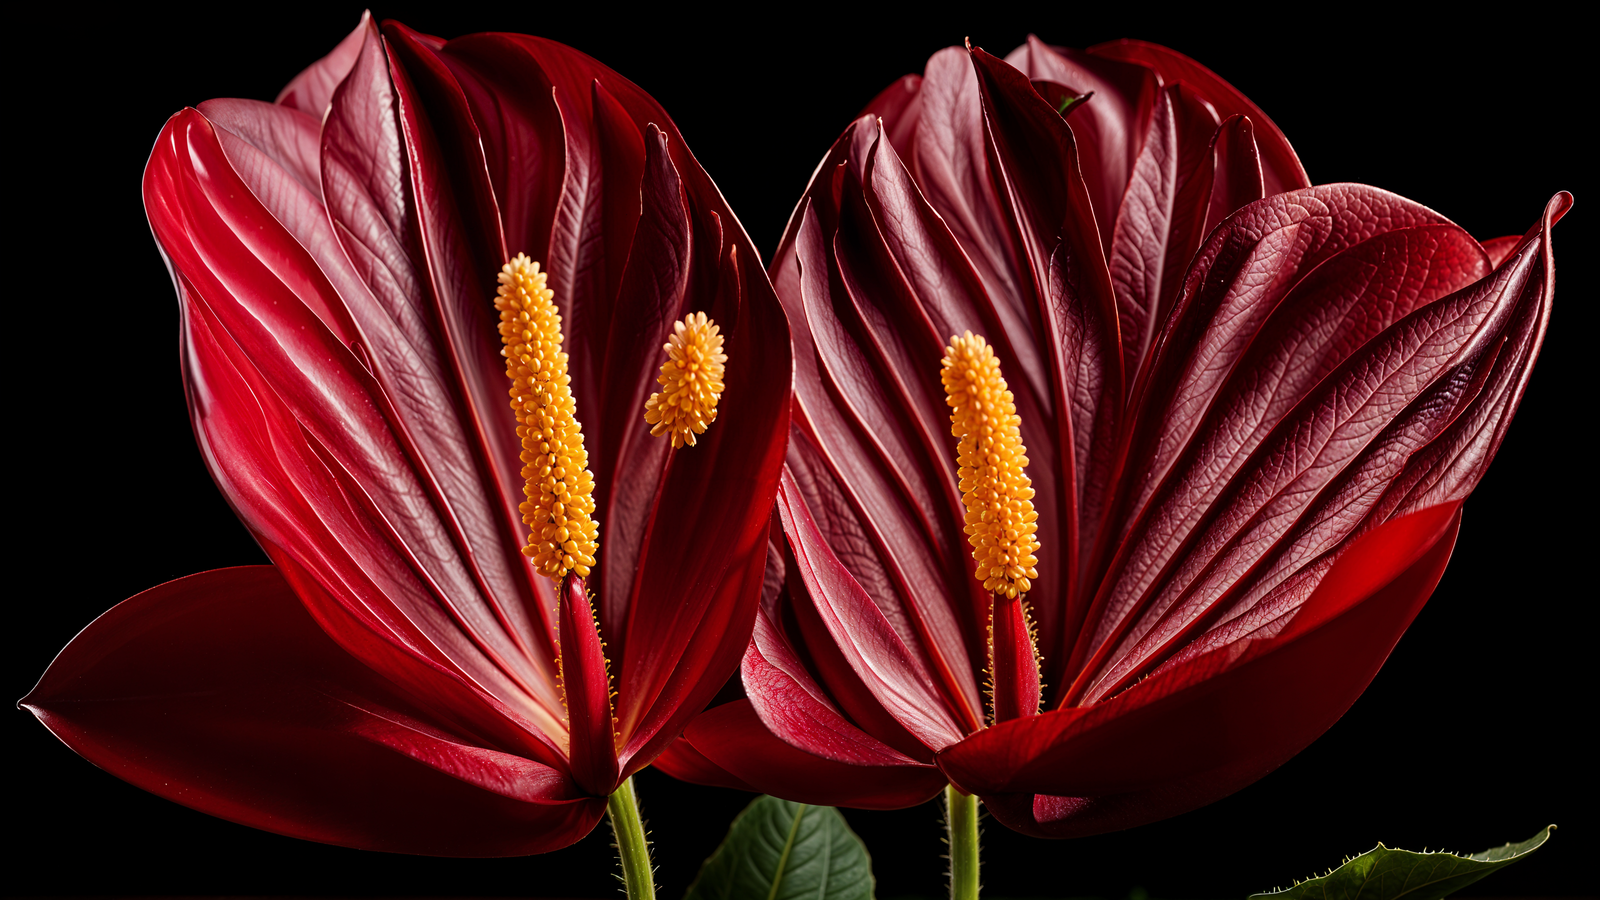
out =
column 1001, row 521
column 691, row 381
column 559, row 509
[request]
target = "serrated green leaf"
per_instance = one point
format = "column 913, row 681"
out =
column 778, row 850
column 1384, row 874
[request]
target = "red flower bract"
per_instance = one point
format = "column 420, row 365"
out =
column 401, row 678
column 1252, row 409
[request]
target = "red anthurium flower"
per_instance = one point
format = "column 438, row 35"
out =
column 404, row 678
column 1231, row 419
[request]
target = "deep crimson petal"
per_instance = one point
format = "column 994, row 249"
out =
column 868, row 361
column 1281, row 170
column 703, row 581
column 951, row 167
column 899, row 107
column 1013, row 662
column 566, row 159
column 1225, row 435
column 1075, row 307
column 463, row 450
column 1289, row 463
column 290, row 733
column 1112, row 125
column 586, row 692
column 873, row 650
column 654, row 291
column 1240, row 275
column 242, row 276
column 683, row 762
column 270, row 467
column 1259, row 700
column 794, row 707
column 731, row 738
column 1238, row 182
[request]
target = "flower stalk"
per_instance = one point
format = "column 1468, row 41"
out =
column 961, row 817
column 633, row 848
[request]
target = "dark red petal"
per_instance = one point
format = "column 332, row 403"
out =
column 889, row 670
column 1144, row 242
column 295, row 431
column 882, row 447
column 428, row 342
column 731, row 738
column 1451, row 466
column 1288, row 462
column 796, row 710
column 586, row 690
column 219, row 692
column 590, row 174
column 699, row 583
column 311, row 90
column 653, row 296
column 950, row 163
column 1242, row 709
column 1281, row 170
column 1111, row 126
column 1013, row 663
column 1500, row 248
column 1238, row 278
column 1073, row 300
column 683, row 762
column 1238, row 166
column 899, row 107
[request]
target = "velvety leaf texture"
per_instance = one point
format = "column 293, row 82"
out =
column 778, row 850
column 1384, row 874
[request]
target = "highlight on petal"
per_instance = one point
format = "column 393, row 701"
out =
column 219, row 692
column 1252, row 409
column 332, row 254
column 731, row 738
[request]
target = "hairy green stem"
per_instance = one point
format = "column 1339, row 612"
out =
column 633, row 848
column 961, row 815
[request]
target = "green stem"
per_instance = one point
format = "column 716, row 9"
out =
column 633, row 848
column 961, row 814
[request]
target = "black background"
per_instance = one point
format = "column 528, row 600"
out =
column 1470, row 736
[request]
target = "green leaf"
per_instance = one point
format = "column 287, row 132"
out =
column 1384, row 874
column 777, row 850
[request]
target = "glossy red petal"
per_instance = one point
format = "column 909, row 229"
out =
column 733, row 740
column 1075, row 305
column 950, row 164
column 1252, row 701
column 899, row 106
column 795, row 709
column 292, row 422
column 889, row 669
column 1238, row 181
column 290, row 733
column 586, row 692
column 1238, row 278
column 1289, row 462
column 427, row 342
column 683, row 762
column 889, row 465
column 592, row 177
column 1150, row 237
column 1013, row 662
column 1281, row 170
